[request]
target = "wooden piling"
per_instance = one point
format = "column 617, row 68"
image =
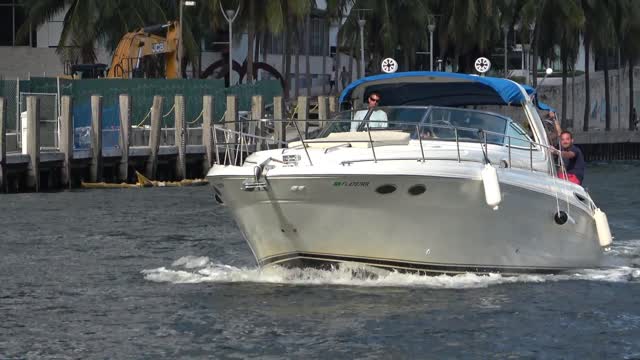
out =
column 154, row 137
column 323, row 111
column 280, row 120
column 3, row 145
column 180, row 136
column 33, row 142
column 125, row 134
column 231, row 115
column 231, row 123
column 208, row 135
column 96, row 138
column 66, row 138
column 257, row 113
column 303, row 116
column 333, row 104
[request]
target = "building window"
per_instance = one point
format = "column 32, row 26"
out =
column 12, row 16
column 319, row 39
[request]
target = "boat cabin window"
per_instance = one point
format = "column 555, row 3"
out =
column 440, row 124
column 519, row 137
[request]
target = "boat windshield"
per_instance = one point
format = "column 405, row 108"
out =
column 396, row 118
column 431, row 122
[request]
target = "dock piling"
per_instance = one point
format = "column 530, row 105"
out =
column 33, row 142
column 208, row 135
column 323, row 111
column 125, row 133
column 303, row 116
column 96, row 138
column 154, row 137
column 180, row 136
column 333, row 104
column 231, row 115
column 3, row 145
column 257, row 113
column 280, row 123
column 231, row 123
column 66, row 138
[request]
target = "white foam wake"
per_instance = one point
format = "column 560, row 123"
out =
column 198, row 269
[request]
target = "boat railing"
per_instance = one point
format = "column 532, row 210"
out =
column 236, row 143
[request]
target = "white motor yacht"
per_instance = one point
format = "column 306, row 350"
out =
column 459, row 178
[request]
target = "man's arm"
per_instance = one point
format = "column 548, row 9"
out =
column 556, row 123
column 566, row 154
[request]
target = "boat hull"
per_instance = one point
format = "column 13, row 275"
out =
column 302, row 220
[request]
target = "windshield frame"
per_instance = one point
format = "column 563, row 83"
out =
column 422, row 123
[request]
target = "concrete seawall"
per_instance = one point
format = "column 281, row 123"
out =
column 551, row 93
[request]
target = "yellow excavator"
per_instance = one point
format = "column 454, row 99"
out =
column 150, row 52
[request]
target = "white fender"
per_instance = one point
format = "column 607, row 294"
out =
column 492, row 193
column 602, row 226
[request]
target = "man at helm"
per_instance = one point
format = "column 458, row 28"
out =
column 378, row 118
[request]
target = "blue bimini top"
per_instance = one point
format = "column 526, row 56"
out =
column 437, row 89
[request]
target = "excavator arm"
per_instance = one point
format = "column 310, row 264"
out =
column 136, row 50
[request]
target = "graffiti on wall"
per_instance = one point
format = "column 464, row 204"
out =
column 599, row 108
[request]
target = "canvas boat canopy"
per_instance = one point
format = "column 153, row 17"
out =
column 427, row 88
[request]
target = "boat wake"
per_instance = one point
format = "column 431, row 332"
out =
column 622, row 266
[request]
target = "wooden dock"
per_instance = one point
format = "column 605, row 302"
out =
column 185, row 152
column 159, row 153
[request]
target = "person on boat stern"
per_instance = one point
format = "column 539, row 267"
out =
column 378, row 118
column 572, row 159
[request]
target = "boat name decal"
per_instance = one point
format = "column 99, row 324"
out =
column 350, row 183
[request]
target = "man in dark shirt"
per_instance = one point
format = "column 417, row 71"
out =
column 572, row 158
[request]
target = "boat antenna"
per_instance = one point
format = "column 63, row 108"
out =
column 547, row 72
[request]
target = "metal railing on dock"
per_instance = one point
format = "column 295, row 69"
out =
column 159, row 148
column 154, row 147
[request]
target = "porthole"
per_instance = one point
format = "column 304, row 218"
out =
column 580, row 197
column 417, row 189
column 385, row 189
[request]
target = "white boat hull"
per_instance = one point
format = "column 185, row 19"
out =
column 306, row 219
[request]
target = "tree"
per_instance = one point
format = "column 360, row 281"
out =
column 307, row 51
column 392, row 24
column 89, row 23
column 600, row 35
column 471, row 26
column 564, row 21
column 628, row 31
column 337, row 11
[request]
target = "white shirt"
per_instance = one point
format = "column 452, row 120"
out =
column 378, row 119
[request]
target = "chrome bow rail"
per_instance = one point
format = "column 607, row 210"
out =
column 238, row 144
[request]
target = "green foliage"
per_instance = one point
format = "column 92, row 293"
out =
column 465, row 29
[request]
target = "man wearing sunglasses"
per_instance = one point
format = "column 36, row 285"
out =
column 378, row 118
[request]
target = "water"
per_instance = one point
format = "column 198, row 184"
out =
column 164, row 273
